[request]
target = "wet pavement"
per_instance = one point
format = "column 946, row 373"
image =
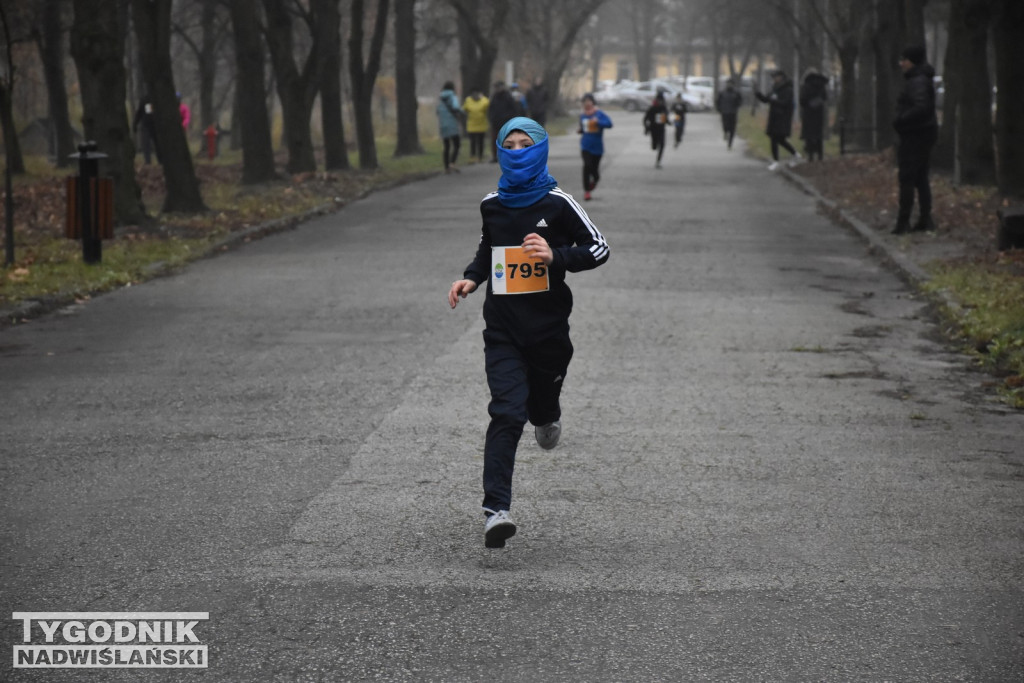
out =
column 772, row 465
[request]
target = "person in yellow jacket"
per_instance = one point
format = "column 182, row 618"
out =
column 477, row 125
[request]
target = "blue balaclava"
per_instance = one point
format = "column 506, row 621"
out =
column 524, row 172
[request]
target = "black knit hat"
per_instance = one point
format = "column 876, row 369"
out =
column 915, row 54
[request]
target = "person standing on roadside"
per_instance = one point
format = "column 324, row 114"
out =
column 476, row 106
column 813, row 98
column 654, row 125
column 449, row 120
column 146, row 122
column 728, row 104
column 917, row 128
column 502, row 108
column 593, row 121
column 533, row 234
column 780, row 116
column 537, row 101
column 679, row 117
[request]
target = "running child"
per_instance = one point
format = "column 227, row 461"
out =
column 593, row 121
column 533, row 234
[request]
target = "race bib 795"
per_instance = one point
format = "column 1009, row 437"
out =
column 513, row 272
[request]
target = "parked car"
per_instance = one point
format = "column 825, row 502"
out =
column 611, row 93
column 697, row 98
column 638, row 96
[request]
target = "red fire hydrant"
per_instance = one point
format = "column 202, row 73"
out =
column 211, row 134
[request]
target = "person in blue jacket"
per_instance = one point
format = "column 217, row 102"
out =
column 533, row 234
column 593, row 121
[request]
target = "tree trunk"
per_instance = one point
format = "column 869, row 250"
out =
column 293, row 86
column 253, row 126
column 207, row 63
column 886, row 44
column 643, row 16
column 974, row 146
column 97, row 46
column 913, row 13
column 329, row 27
column 944, row 154
column 1007, row 32
column 405, row 78
column 152, row 20
column 364, row 77
column 847, row 53
column 478, row 47
column 50, row 42
column 14, row 157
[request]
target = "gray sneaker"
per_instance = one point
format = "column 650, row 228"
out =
column 547, row 435
column 498, row 527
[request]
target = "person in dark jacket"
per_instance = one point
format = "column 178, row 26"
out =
column 533, row 234
column 654, row 125
column 780, row 116
column 504, row 106
column 813, row 110
column 728, row 104
column 679, row 110
column 537, row 101
column 917, row 128
column 146, row 121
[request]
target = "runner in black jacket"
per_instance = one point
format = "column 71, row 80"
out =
column 533, row 234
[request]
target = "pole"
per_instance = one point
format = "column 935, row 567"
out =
column 88, row 170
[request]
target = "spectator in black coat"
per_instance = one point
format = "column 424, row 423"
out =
column 813, row 110
column 503, row 108
column 918, row 128
column 780, row 116
column 537, row 102
column 728, row 104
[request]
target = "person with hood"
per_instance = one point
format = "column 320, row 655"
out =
column 449, row 119
column 728, row 104
column 593, row 121
column 533, row 234
column 917, row 128
column 813, row 110
column 654, row 125
column 780, row 116
column 476, row 106
column 503, row 107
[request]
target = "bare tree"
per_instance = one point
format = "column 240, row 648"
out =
column 479, row 39
column 296, row 88
column 213, row 33
column 152, row 19
column 405, row 78
column 644, row 18
column 328, row 27
column 363, row 74
column 49, row 38
column 97, row 46
column 253, row 122
column 12, row 147
column 1007, row 34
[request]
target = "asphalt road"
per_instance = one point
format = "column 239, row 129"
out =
column 772, row 468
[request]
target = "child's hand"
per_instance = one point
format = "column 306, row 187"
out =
column 537, row 247
column 460, row 288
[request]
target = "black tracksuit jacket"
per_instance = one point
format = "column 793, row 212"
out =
column 576, row 244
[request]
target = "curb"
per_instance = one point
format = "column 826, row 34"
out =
column 909, row 271
column 29, row 309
